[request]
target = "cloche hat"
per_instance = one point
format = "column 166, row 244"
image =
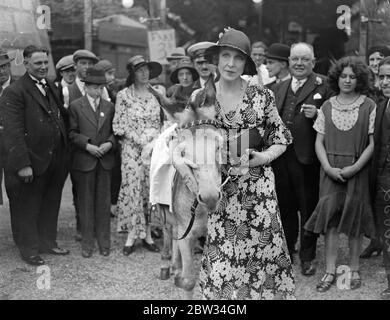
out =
column 138, row 61
column 234, row 39
column 184, row 64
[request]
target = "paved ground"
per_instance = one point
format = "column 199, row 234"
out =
column 136, row 276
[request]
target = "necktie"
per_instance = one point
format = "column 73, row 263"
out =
column 97, row 108
column 295, row 85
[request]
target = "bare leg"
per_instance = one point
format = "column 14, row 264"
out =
column 331, row 247
column 355, row 247
column 149, row 238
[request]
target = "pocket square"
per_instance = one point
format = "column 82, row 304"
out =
column 317, row 96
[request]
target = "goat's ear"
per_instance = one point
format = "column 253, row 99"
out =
column 211, row 91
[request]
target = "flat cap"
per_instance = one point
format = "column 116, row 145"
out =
column 85, row 54
column 65, row 63
column 197, row 50
column 105, row 65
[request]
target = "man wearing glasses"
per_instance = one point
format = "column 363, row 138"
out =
column 297, row 170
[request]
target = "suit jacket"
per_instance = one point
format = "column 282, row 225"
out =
column 85, row 128
column 378, row 137
column 2, row 150
column 29, row 125
column 302, row 129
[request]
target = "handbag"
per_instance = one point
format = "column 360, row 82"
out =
column 241, row 140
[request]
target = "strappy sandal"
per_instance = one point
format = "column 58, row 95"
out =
column 356, row 282
column 325, row 284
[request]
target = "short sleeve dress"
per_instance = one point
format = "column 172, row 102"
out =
column 246, row 255
column 137, row 123
column 345, row 206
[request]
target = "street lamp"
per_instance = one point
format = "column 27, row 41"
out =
column 257, row 1
column 127, row 3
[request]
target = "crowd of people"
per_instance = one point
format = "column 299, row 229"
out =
column 323, row 166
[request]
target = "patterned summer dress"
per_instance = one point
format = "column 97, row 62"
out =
column 246, row 255
column 137, row 122
column 345, row 206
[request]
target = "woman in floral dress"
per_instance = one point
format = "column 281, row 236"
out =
column 137, row 123
column 246, row 255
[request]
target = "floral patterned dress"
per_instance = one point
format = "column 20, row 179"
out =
column 137, row 123
column 246, row 255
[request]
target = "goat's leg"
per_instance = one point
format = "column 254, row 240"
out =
column 187, row 279
column 177, row 264
column 167, row 233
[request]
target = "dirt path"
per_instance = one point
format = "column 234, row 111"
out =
column 136, row 276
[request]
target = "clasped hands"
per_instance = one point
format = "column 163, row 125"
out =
column 100, row 151
column 340, row 175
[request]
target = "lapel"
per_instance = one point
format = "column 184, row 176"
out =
column 281, row 94
column 103, row 114
column 87, row 110
column 308, row 88
column 380, row 113
column 32, row 89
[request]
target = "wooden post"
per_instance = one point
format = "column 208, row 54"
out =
column 163, row 13
column 363, row 26
column 88, row 24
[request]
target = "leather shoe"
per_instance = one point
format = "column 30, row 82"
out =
column 57, row 251
column 104, row 252
column 150, row 246
column 86, row 253
column 307, row 268
column 34, row 260
column 127, row 250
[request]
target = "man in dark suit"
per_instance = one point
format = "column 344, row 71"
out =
column 5, row 81
column 277, row 63
column 297, row 170
column 93, row 159
column 380, row 173
column 35, row 141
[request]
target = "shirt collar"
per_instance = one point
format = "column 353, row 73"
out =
column 303, row 81
column 7, row 83
column 202, row 82
column 92, row 101
column 80, row 85
column 36, row 80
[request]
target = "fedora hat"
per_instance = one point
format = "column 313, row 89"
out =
column 95, row 76
column 184, row 64
column 278, row 51
column 234, row 39
column 177, row 54
column 137, row 62
column 4, row 58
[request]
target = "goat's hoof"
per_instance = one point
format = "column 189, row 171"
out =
column 185, row 284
